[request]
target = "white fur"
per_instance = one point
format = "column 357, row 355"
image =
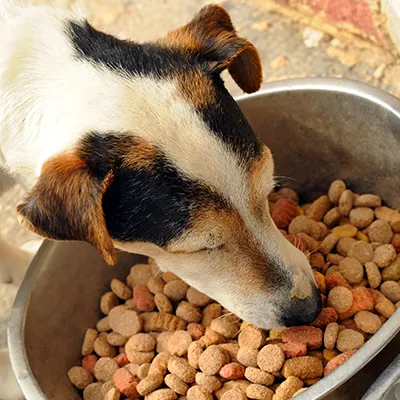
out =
column 48, row 99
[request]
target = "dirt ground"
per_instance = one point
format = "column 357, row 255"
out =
column 287, row 50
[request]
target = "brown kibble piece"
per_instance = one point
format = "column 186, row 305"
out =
column 159, row 365
column 332, row 217
column 373, row 274
column 140, row 274
column 389, row 215
column 367, row 322
column 103, row 325
column 195, row 350
column 340, row 298
column 155, row 285
column 319, row 208
column 255, row 375
column 141, row 342
column 199, row 393
column 380, row 231
column 212, row 360
column 309, row 335
column 329, row 243
column 271, row 358
column 179, row 342
column 162, row 341
column 162, row 394
column 112, row 394
column 181, row 368
column 105, row 368
column 120, row 289
column 251, row 337
column 107, row 302
column 159, row 322
column 88, row 342
column 352, row 270
column 176, row 290
column 304, row 224
column 227, row 327
column 115, row 339
column 259, row 392
column 176, row 384
column 361, row 217
column 80, row 377
column 335, row 191
column 197, row 298
column 283, row 213
column 384, row 255
column 349, row 339
column 169, row 276
column 125, row 322
column 149, row 384
column 385, row 307
column 211, row 383
column 330, row 335
column 188, row 312
column 93, row 391
column 234, row 394
column 391, row 290
column 392, row 273
column 247, row 356
column 211, row 312
column 288, row 388
column 368, row 200
column 362, row 251
column 346, row 202
column 163, row 303
column 103, row 348
column 344, row 245
column 303, row 367
column 196, row 330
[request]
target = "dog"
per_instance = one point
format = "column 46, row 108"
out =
column 140, row 147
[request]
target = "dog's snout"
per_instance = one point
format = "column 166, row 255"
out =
column 302, row 311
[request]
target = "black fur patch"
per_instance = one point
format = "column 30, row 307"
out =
column 153, row 205
column 227, row 121
column 126, row 56
column 224, row 118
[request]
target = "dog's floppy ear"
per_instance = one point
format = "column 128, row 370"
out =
column 212, row 36
column 66, row 204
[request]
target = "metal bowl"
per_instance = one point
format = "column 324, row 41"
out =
column 318, row 130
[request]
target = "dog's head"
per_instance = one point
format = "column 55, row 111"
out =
column 183, row 179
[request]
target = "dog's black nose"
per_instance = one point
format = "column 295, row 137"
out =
column 302, row 312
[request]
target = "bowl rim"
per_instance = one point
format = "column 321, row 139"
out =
column 16, row 345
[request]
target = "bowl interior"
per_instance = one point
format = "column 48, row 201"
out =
column 316, row 134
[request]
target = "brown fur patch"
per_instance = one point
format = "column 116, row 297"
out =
column 139, row 154
column 65, row 204
column 212, row 36
column 257, row 196
column 196, row 88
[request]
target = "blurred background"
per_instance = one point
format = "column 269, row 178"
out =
column 355, row 39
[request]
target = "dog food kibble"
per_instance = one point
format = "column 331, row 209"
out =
column 199, row 393
column 340, row 298
column 105, row 368
column 330, row 335
column 288, row 388
column 259, row 392
column 176, row 384
column 391, row 290
column 271, row 358
column 303, row 367
column 179, row 342
column 351, row 269
column 80, row 377
column 88, row 341
column 160, row 339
